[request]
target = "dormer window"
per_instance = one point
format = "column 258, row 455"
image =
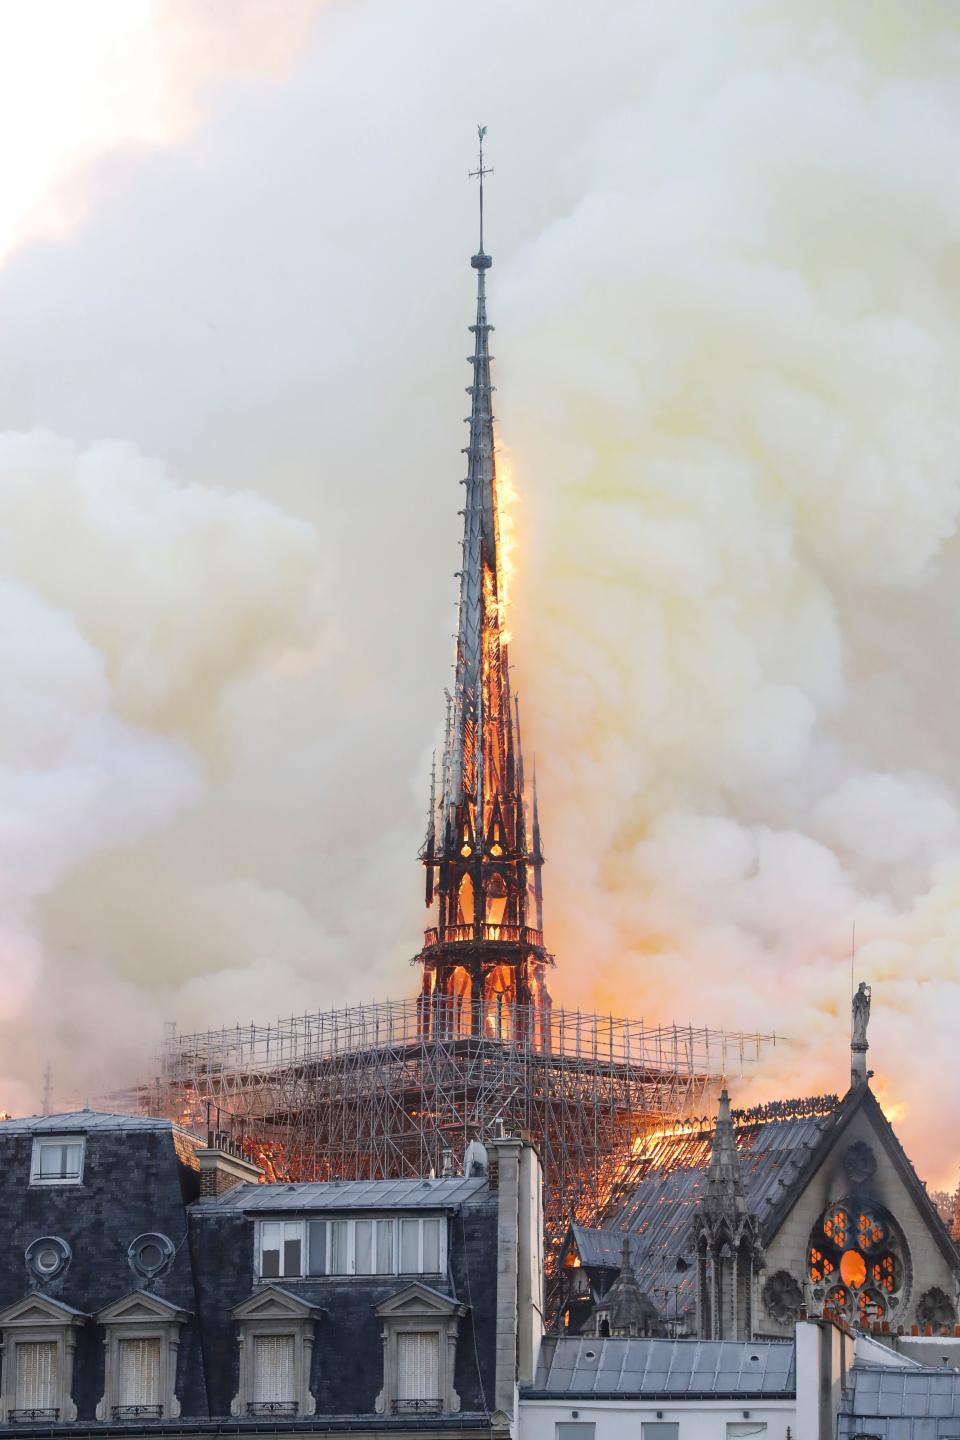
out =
column 375, row 1245
column 57, row 1160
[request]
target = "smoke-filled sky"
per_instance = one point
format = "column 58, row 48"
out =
column 234, row 286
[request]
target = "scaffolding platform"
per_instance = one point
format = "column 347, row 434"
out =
column 400, row 1089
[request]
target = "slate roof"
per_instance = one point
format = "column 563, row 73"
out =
column 73, row 1121
column 581, row 1366
column 900, row 1404
column 444, row 1193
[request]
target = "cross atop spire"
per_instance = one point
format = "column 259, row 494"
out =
column 481, row 261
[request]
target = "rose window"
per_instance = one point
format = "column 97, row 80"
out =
column 855, row 1260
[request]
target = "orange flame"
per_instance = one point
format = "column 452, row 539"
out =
column 507, row 498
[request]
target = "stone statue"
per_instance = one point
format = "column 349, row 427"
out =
column 861, row 1016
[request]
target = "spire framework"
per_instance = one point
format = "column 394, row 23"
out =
column 485, row 951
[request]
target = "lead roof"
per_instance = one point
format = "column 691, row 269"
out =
column 75, row 1121
column 446, row 1192
column 672, row 1176
column 900, row 1404
column 586, row 1366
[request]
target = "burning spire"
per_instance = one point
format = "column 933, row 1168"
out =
column 483, row 953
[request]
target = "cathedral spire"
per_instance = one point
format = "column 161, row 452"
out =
column 479, row 867
column 727, row 1242
column 724, row 1192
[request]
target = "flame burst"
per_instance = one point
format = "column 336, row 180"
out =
column 507, row 498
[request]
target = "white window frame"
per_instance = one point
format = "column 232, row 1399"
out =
column 300, row 1234
column 391, row 1221
column 43, row 1142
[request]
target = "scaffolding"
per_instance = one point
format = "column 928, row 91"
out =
column 382, row 1091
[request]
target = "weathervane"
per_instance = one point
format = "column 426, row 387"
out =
column 478, row 174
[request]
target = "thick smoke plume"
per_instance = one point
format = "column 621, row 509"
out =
column 727, row 295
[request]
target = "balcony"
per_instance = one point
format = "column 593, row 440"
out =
column 24, row 1417
column 418, row 1407
column 289, row 1408
column 476, row 934
column 137, row 1412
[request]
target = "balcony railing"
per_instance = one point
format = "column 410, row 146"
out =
column 21, row 1417
column 418, row 1407
column 137, row 1412
column 472, row 934
column 272, row 1407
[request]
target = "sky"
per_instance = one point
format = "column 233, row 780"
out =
column 234, row 291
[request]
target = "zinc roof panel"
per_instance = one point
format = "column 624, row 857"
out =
column 77, row 1120
column 442, row 1193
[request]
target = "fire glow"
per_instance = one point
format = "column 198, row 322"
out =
column 507, row 499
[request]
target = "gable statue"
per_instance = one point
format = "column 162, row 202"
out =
column 861, row 1016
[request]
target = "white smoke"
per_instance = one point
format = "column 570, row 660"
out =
column 726, row 293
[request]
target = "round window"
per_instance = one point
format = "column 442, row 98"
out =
column 853, row 1268
column 48, row 1257
column 857, row 1254
column 150, row 1254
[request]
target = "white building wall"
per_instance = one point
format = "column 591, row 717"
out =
column 624, row 1419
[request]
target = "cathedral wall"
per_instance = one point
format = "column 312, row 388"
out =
column 926, row 1266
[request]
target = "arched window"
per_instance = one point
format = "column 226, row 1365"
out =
column 465, row 902
column 496, row 900
column 499, row 998
column 856, row 1260
column 459, row 991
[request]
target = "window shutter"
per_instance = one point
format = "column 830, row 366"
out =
column 36, row 1375
column 273, row 1370
column 418, row 1367
column 139, row 1382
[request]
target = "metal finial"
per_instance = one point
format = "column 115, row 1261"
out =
column 478, row 174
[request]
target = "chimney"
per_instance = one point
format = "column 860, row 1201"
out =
column 516, row 1177
column 223, row 1165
